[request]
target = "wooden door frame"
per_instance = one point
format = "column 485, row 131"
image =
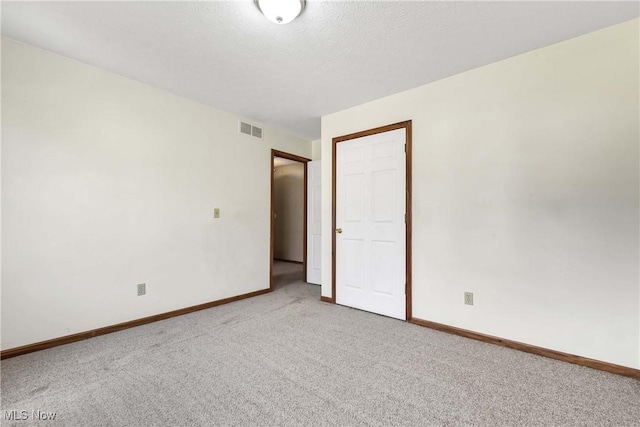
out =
column 406, row 125
column 303, row 160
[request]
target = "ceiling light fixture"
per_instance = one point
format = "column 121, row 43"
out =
column 281, row 11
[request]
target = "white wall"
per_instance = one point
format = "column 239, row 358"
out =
column 288, row 228
column 316, row 149
column 107, row 183
column 526, row 192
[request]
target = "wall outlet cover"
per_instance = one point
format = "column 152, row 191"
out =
column 142, row 289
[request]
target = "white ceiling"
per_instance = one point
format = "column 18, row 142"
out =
column 334, row 56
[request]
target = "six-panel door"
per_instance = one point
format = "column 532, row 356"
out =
column 370, row 223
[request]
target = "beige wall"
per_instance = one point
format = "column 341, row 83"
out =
column 107, row 183
column 316, row 149
column 526, row 192
column 288, row 194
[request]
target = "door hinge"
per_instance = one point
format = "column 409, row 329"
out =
column 405, row 288
column 405, row 218
column 405, row 147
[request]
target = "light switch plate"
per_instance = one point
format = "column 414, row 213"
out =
column 468, row 298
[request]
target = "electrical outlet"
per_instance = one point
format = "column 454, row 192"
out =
column 142, row 289
column 468, row 298
column 216, row 213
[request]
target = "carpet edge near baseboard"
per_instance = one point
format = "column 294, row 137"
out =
column 528, row 348
column 80, row 336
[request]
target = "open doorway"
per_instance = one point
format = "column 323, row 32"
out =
column 288, row 219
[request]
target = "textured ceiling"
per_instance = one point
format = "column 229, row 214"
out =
column 334, row 56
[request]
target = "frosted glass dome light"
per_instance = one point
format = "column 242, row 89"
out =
column 280, row 11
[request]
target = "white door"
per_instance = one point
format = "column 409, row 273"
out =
column 370, row 223
column 314, row 223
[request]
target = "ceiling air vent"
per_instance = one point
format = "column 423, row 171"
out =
column 247, row 129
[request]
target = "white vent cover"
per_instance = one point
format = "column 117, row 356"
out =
column 247, row 129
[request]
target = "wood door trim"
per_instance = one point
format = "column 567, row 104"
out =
column 303, row 160
column 553, row 354
column 335, row 141
column 289, row 156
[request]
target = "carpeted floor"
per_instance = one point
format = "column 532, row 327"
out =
column 286, row 358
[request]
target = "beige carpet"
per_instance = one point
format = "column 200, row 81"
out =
column 286, row 358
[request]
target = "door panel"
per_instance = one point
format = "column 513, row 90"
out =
column 316, row 241
column 383, row 187
column 314, row 223
column 354, row 187
column 370, row 221
column 383, row 258
column 353, row 257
